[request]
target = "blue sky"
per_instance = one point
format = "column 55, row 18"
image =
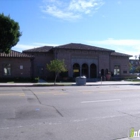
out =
column 112, row 24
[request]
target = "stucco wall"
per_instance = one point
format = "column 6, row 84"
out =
column 122, row 61
column 40, row 64
column 15, row 67
column 81, row 57
column 104, row 61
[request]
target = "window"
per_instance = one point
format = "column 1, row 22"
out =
column 7, row 69
column 116, row 70
column 21, row 67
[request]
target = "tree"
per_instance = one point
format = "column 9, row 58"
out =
column 138, row 69
column 9, row 33
column 130, row 67
column 56, row 66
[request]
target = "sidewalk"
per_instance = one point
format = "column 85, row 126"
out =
column 129, row 139
column 103, row 83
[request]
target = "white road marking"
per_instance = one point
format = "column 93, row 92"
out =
column 98, row 101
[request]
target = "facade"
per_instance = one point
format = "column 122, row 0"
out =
column 80, row 59
column 15, row 65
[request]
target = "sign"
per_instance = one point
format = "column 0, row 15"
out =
column 76, row 70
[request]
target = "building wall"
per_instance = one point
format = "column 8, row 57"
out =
column 16, row 67
column 123, row 62
column 104, row 61
column 40, row 64
column 100, row 59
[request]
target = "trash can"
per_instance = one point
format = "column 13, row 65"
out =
column 81, row 80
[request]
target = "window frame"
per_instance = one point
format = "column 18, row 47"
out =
column 7, row 69
column 117, row 70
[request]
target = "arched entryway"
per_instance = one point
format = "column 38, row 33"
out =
column 85, row 70
column 76, row 70
column 93, row 71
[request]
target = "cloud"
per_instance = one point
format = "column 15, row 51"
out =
column 74, row 9
column 128, row 46
column 119, row 42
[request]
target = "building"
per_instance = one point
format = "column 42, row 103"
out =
column 15, row 65
column 80, row 59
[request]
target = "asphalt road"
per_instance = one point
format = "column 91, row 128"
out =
column 69, row 113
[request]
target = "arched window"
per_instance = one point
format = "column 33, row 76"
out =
column 76, row 70
column 93, row 71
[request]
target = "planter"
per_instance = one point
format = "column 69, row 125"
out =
column 81, row 80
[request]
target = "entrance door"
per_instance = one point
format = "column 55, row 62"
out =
column 93, row 71
column 85, row 70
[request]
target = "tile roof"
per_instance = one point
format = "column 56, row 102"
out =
column 120, row 54
column 79, row 46
column 75, row 46
column 40, row 49
column 13, row 53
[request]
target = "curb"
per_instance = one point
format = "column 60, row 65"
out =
column 41, row 85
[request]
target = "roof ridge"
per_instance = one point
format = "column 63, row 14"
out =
column 81, row 46
column 121, row 54
column 39, row 49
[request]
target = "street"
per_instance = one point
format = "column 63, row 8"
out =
column 69, row 112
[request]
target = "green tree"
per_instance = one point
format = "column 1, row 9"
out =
column 56, row 66
column 138, row 69
column 130, row 67
column 9, row 33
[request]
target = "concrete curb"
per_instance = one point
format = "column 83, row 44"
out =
column 51, row 85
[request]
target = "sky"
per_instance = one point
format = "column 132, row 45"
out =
column 111, row 24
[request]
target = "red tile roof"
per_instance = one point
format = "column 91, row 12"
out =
column 13, row 53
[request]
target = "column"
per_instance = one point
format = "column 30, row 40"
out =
column 80, row 69
column 88, row 71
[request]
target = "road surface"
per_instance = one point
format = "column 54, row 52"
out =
column 69, row 113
